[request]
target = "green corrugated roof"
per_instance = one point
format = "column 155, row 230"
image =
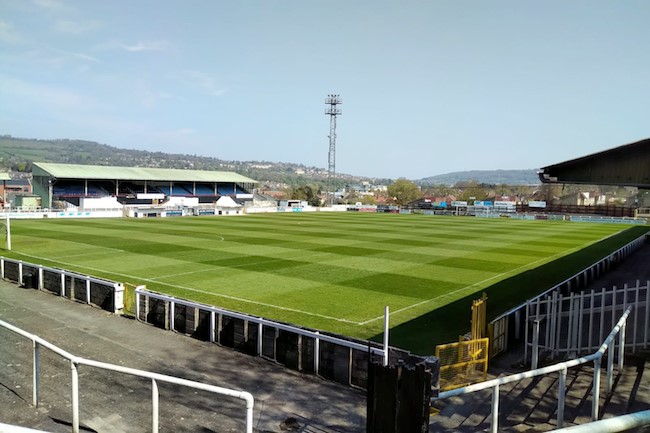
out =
column 77, row 171
column 5, row 176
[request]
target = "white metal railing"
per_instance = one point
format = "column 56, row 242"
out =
column 562, row 368
column 575, row 324
column 606, row 219
column 117, row 288
column 382, row 351
column 6, row 428
column 75, row 361
column 581, row 277
column 611, row 425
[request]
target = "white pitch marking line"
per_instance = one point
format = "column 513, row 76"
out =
column 264, row 304
column 448, row 294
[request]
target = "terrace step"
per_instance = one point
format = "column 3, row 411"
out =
column 530, row 405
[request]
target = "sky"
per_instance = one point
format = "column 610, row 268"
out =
column 428, row 86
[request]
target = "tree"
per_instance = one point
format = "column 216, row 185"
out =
column 404, row 191
column 306, row 193
column 471, row 191
column 352, row 197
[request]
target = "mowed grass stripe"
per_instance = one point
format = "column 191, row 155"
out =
column 474, row 247
column 344, row 266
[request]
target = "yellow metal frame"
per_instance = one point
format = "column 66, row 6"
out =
column 463, row 363
column 479, row 318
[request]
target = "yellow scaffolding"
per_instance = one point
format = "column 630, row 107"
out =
column 479, row 318
column 466, row 362
column 462, row 363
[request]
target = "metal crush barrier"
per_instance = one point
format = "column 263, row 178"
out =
column 76, row 395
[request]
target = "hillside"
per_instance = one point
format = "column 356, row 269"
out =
column 17, row 154
column 491, row 177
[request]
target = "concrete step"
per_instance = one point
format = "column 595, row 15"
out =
column 640, row 393
column 630, row 391
column 461, row 413
column 578, row 395
column 530, row 405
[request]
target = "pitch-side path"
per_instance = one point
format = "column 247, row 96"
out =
column 125, row 404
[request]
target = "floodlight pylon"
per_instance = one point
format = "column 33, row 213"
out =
column 333, row 110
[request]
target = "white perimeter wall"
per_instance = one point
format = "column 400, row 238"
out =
column 99, row 203
column 114, row 213
column 118, row 213
column 336, row 208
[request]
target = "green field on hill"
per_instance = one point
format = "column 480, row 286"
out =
column 329, row 271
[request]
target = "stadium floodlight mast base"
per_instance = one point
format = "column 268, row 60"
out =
column 332, row 111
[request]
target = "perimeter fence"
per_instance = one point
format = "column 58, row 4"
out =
column 330, row 356
column 107, row 295
column 509, row 327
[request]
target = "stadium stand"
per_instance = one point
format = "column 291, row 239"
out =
column 61, row 183
column 226, row 189
column 204, row 189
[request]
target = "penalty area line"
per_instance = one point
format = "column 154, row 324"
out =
column 234, row 298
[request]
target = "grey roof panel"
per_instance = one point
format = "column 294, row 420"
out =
column 77, row 171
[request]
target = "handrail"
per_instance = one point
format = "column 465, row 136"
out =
column 7, row 428
column 559, row 367
column 76, row 360
column 611, row 425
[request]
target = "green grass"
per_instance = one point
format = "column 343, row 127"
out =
column 330, row 271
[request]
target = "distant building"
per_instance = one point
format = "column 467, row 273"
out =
column 10, row 188
column 15, row 186
column 584, row 198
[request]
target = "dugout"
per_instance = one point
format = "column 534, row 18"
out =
column 70, row 183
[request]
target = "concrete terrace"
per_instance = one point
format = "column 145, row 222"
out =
column 121, row 403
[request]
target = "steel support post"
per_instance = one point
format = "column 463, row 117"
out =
column 386, row 314
column 621, row 348
column 155, row 410
column 35, row 369
column 75, row 397
column 596, row 390
column 561, row 393
column 535, row 349
column 494, row 426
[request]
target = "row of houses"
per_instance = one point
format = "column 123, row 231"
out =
column 17, row 190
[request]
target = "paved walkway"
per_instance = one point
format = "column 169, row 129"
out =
column 112, row 402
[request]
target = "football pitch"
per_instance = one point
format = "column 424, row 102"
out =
column 329, row 271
